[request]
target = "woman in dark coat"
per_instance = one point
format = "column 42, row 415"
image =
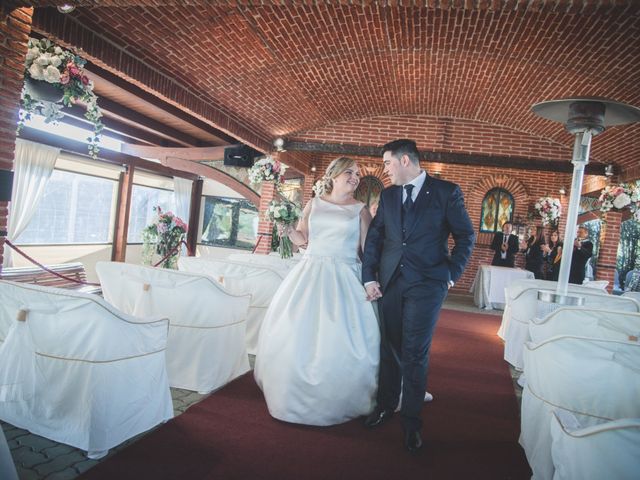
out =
column 533, row 255
column 552, row 254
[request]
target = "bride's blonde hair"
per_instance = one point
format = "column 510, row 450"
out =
column 334, row 169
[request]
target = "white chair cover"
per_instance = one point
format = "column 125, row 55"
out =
column 634, row 295
column 240, row 278
column 98, row 376
column 206, row 346
column 596, row 380
column 272, row 260
column 522, row 301
column 607, row 450
column 597, row 284
column 586, row 322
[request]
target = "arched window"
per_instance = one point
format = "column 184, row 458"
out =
column 497, row 208
column 369, row 190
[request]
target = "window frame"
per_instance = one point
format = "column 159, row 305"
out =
column 238, row 204
column 500, row 192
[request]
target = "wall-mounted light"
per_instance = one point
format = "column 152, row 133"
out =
column 608, row 170
column 279, row 144
column 66, row 8
column 562, row 191
column 313, row 168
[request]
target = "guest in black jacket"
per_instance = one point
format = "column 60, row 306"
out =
column 552, row 254
column 505, row 247
column 533, row 259
column 582, row 252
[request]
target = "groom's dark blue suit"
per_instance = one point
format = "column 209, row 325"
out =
column 408, row 254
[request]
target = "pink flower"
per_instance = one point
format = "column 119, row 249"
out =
column 85, row 80
column 276, row 167
column 74, row 71
column 64, row 78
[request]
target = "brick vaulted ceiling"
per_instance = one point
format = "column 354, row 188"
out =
column 316, row 69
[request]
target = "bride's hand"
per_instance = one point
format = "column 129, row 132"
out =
column 284, row 229
column 373, row 291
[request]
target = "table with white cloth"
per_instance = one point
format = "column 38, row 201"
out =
column 490, row 282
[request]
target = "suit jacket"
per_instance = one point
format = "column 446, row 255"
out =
column 579, row 262
column 421, row 251
column 512, row 249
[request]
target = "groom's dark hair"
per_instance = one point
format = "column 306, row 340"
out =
column 401, row 147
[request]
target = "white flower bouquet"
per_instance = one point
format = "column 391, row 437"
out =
column 47, row 62
column 267, row 169
column 625, row 195
column 285, row 214
column 549, row 209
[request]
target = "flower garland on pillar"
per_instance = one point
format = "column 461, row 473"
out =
column 619, row 197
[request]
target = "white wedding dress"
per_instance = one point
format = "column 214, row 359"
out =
column 318, row 350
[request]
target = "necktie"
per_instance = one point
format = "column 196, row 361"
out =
column 408, row 202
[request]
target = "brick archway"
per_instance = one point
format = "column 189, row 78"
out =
column 479, row 190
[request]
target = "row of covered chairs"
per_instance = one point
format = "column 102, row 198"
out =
column 93, row 372
column 580, row 414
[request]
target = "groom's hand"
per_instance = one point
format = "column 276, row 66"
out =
column 373, row 291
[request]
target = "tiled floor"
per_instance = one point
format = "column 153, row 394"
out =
column 38, row 458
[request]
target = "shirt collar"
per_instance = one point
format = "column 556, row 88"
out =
column 418, row 181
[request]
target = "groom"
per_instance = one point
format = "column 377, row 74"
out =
column 407, row 265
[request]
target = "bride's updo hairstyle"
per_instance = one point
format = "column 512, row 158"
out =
column 334, row 169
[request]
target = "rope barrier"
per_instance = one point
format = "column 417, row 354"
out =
column 32, row 260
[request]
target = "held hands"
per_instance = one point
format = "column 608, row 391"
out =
column 504, row 247
column 373, row 291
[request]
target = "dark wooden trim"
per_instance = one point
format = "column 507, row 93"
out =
column 130, row 133
column 154, row 100
column 520, row 163
column 194, row 215
column 108, row 156
column 125, row 187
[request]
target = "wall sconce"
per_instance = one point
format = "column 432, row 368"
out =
column 313, row 168
column 608, row 170
column 562, row 191
column 66, row 8
column 279, row 144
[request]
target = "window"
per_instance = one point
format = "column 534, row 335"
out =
column 75, row 208
column 497, row 208
column 229, row 222
column 143, row 199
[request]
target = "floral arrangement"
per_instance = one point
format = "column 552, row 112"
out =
column 549, row 209
column 284, row 213
column 319, row 187
column 47, row 62
column 267, row 169
column 620, row 197
column 164, row 235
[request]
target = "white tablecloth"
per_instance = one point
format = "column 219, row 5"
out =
column 490, row 282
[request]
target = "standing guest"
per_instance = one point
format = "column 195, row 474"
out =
column 533, row 259
column 505, row 246
column 552, row 254
column 582, row 252
column 409, row 268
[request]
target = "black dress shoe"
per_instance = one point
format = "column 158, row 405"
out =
column 378, row 417
column 413, row 441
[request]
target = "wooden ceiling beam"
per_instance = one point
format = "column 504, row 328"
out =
column 519, row 163
column 149, row 97
column 108, row 156
column 194, row 154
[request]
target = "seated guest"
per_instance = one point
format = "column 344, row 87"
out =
column 632, row 280
column 505, row 246
column 582, row 251
column 533, row 253
column 552, row 254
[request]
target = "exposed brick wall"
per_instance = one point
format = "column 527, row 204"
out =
column 14, row 34
column 609, row 238
column 264, row 226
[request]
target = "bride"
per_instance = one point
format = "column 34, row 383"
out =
column 318, row 351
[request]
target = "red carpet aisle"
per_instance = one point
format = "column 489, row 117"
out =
column 471, row 428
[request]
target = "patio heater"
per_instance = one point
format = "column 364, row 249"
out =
column 584, row 117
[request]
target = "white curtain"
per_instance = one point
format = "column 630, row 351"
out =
column 33, row 166
column 182, row 196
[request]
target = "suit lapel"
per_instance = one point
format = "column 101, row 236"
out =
column 421, row 204
column 396, row 207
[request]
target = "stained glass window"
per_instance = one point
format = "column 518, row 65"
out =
column 497, row 208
